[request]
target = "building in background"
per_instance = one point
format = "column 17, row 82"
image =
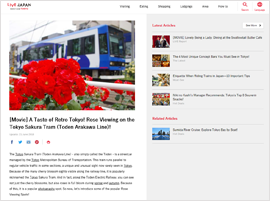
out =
column 13, row 52
column 125, row 26
column 51, row 36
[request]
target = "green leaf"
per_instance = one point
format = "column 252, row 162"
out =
column 93, row 106
column 65, row 106
column 122, row 107
column 60, row 107
column 114, row 105
column 47, row 100
column 86, row 98
column 40, row 102
column 73, row 105
column 117, row 97
column 81, row 101
column 51, row 106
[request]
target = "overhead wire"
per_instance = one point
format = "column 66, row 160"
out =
column 43, row 31
column 31, row 30
column 32, row 33
column 27, row 29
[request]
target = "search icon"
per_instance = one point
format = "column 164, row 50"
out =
column 245, row 4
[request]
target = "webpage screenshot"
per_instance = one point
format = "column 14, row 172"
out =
column 72, row 129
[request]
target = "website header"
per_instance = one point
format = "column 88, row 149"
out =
column 192, row 7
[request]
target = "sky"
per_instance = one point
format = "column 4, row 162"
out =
column 19, row 27
column 155, row 130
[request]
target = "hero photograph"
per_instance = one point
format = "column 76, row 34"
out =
column 72, row 65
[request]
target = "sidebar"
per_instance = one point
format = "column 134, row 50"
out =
column 208, row 107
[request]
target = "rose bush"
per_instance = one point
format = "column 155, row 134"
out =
column 59, row 86
column 123, row 105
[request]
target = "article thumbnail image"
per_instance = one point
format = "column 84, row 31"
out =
column 156, row 60
column 160, row 133
column 160, row 99
column 160, row 60
column 161, row 41
column 71, row 66
column 161, row 80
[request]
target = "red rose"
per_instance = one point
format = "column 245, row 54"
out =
column 33, row 69
column 47, row 67
column 104, row 94
column 61, row 63
column 88, row 78
column 133, row 97
column 11, row 81
column 58, row 78
column 20, row 86
column 33, row 89
column 96, row 108
column 40, row 107
column 129, row 93
column 65, row 77
column 119, row 81
column 118, row 91
column 91, row 90
column 47, row 83
column 33, row 76
column 29, row 85
column 15, row 101
column 74, row 66
column 27, row 67
column 79, row 86
column 20, row 98
column 38, row 92
column 69, row 64
column 62, row 94
column 86, row 104
column 24, row 99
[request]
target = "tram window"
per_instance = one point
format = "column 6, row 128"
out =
column 33, row 54
column 128, row 48
column 89, row 45
column 76, row 47
column 114, row 45
column 69, row 48
column 20, row 57
column 44, row 52
column 103, row 46
column 25, row 55
column 62, row 51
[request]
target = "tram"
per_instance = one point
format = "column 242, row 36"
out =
column 99, row 50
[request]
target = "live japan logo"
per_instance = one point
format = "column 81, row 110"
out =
column 19, row 6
